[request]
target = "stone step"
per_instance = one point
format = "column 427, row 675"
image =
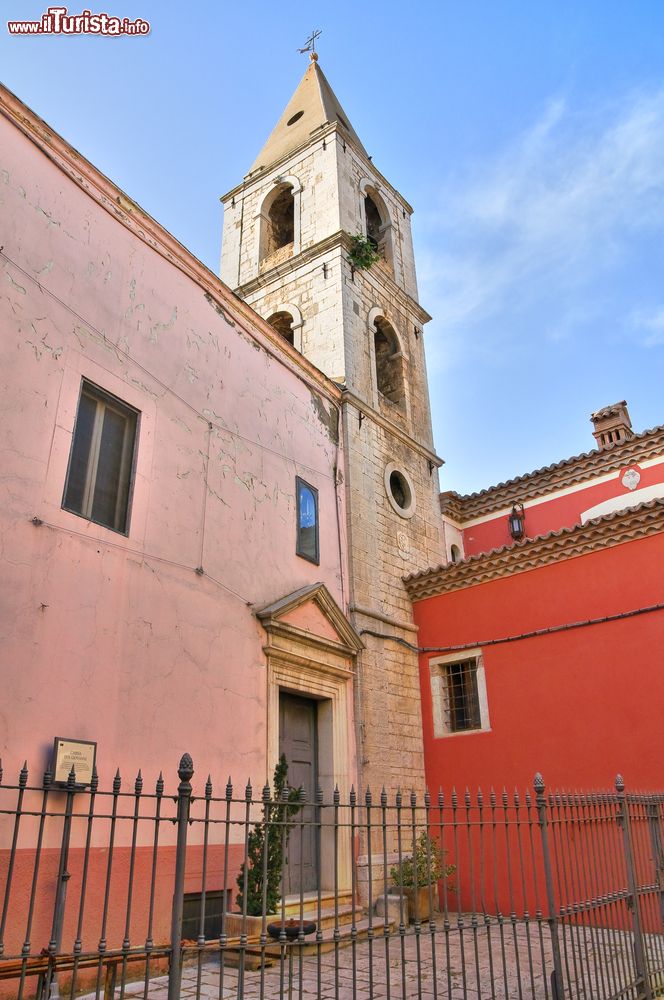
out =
column 253, row 956
column 310, row 902
column 328, row 915
column 328, row 942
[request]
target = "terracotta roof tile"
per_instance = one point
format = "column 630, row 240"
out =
column 593, row 463
column 567, row 543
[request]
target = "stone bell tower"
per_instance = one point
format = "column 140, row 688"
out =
column 287, row 251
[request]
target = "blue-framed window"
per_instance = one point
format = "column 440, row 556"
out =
column 307, row 521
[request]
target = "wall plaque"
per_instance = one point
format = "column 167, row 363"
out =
column 79, row 754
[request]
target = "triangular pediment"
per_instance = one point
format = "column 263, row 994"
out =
column 312, row 611
column 313, row 105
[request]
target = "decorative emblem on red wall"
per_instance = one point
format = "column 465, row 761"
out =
column 631, row 478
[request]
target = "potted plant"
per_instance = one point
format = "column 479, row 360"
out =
column 418, row 875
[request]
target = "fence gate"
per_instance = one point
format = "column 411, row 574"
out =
column 607, row 876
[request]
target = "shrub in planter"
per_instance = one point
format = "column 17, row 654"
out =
column 419, row 871
column 269, row 835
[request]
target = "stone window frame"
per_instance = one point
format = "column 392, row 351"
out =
column 405, row 512
column 297, row 324
column 439, row 696
column 379, row 312
column 369, row 187
column 261, row 219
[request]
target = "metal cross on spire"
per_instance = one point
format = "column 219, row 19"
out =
column 310, row 44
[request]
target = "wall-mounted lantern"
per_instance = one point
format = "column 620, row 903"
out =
column 516, row 521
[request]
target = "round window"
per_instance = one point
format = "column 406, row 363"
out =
column 296, row 117
column 400, row 491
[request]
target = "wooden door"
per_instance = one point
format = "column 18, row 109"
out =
column 298, row 741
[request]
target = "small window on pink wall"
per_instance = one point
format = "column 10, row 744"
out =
column 101, row 459
column 307, row 521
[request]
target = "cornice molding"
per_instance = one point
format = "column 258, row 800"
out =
column 343, row 137
column 568, row 543
column 451, row 506
column 336, row 241
column 129, row 214
column 317, row 593
column 363, row 407
column 560, row 475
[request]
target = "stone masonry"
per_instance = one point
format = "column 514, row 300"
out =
column 334, row 308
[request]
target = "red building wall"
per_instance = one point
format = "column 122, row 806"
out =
column 579, row 705
column 555, row 512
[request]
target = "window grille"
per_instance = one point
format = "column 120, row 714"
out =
column 462, row 705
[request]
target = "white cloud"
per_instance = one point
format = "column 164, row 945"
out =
column 551, row 213
column 652, row 322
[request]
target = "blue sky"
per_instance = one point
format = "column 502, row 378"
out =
column 529, row 137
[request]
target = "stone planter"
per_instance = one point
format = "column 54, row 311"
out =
column 423, row 910
column 233, row 923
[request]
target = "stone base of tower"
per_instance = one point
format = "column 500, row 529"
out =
column 390, row 745
column 390, row 753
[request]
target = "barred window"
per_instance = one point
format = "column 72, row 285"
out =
column 458, row 691
column 462, row 707
column 101, row 459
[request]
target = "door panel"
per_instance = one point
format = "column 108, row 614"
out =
column 297, row 740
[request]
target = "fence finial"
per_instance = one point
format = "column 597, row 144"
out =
column 186, row 768
column 538, row 784
column 620, row 784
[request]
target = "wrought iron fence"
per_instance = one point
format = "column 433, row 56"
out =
column 134, row 892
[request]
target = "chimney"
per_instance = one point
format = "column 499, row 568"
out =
column 612, row 425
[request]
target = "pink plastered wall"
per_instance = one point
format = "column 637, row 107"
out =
column 118, row 639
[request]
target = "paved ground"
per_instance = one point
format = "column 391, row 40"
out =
column 493, row 966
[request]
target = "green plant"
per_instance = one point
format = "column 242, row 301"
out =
column 428, row 865
column 269, row 836
column 363, row 252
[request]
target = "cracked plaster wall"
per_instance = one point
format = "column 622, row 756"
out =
column 116, row 638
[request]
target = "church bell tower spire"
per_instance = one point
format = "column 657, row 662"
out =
column 292, row 230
